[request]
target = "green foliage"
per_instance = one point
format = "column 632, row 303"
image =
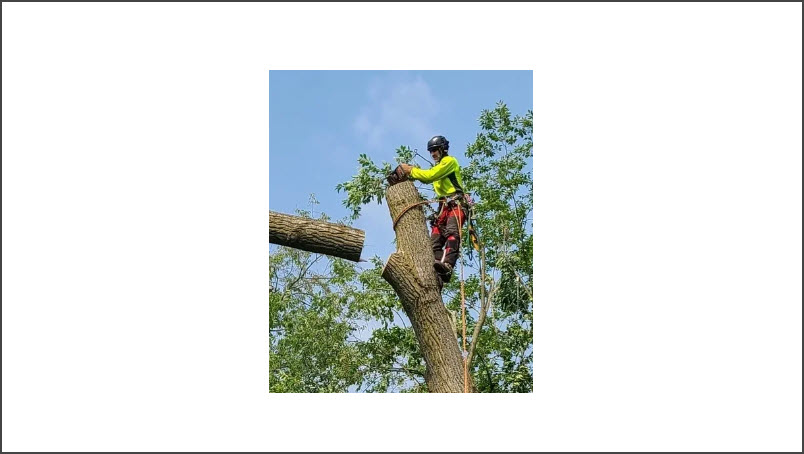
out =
column 403, row 154
column 364, row 187
column 496, row 176
column 316, row 316
column 495, row 173
column 369, row 184
column 318, row 307
column 301, row 310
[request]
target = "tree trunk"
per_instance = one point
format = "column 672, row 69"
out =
column 410, row 272
column 315, row 236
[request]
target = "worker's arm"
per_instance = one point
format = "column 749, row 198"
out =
column 446, row 166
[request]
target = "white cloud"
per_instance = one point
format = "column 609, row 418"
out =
column 397, row 108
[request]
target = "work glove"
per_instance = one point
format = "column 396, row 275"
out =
column 397, row 176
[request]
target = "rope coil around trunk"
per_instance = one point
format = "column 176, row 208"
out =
column 448, row 198
column 408, row 208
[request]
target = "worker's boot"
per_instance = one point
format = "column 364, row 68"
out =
column 444, row 271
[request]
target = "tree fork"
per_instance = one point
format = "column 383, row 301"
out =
column 410, row 272
column 315, row 236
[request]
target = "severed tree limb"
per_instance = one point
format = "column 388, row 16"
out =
column 316, row 236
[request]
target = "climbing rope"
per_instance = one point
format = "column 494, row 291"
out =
column 475, row 244
column 408, row 208
column 465, row 354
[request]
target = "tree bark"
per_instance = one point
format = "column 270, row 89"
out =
column 410, row 272
column 315, row 236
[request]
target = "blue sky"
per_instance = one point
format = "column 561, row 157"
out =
column 320, row 121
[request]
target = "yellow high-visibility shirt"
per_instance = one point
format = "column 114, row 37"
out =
column 439, row 175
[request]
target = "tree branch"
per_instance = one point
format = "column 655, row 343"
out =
column 481, row 318
column 527, row 289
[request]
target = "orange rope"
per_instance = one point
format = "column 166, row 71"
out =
column 465, row 354
column 463, row 322
column 399, row 216
column 423, row 202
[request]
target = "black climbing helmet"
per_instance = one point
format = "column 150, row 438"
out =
column 438, row 142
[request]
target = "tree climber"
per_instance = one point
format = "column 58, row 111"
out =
column 451, row 214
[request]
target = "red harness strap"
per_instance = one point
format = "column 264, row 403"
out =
column 444, row 216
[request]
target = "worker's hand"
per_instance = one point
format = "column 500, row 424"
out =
column 406, row 168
